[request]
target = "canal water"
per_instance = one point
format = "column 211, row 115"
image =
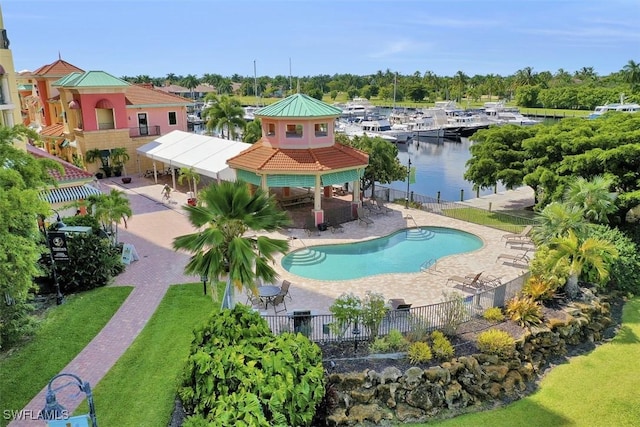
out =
column 440, row 167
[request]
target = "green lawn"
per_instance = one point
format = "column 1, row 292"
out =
column 597, row 389
column 140, row 389
column 501, row 220
column 64, row 332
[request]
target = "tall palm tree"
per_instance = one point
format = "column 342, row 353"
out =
column 226, row 113
column 631, row 73
column 110, row 209
column 576, row 253
column 221, row 246
column 592, row 197
column 190, row 82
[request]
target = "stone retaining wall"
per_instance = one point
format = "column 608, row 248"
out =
column 465, row 383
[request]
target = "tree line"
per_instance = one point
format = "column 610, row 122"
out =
column 582, row 89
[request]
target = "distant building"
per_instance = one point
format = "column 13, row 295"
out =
column 77, row 111
column 9, row 100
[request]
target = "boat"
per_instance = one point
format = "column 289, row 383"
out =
column 618, row 106
column 249, row 112
column 194, row 119
column 377, row 126
column 357, row 107
column 465, row 125
column 420, row 125
column 499, row 113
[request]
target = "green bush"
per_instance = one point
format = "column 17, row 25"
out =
column 539, row 289
column 496, row 342
column 93, row 263
column 441, row 346
column 524, row 310
column 419, row 352
column 239, row 373
column 624, row 270
column 379, row 345
column 346, row 310
column 396, row 340
column 373, row 312
column 493, row 314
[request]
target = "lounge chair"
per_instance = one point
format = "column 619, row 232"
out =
column 385, row 210
column 335, row 227
column 523, row 234
column 284, row 289
column 520, row 241
column 514, row 259
column 468, row 281
column 370, row 207
column 363, row 218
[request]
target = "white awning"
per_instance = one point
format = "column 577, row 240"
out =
column 207, row 155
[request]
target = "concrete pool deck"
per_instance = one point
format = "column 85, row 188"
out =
column 422, row 288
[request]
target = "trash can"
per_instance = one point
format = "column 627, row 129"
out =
column 322, row 226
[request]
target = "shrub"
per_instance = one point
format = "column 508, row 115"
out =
column 239, row 373
column 379, row 345
column 539, row 288
column 373, row 312
column 453, row 312
column 346, row 310
column 496, row 342
column 418, row 329
column 493, row 314
column 419, row 352
column 397, row 341
column 93, row 263
column 441, row 346
column 524, row 310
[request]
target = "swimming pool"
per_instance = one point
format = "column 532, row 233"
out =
column 404, row 251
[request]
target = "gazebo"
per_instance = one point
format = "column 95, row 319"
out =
column 298, row 149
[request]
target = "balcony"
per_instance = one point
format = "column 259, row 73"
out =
column 138, row 132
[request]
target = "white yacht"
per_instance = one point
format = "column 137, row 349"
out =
column 358, row 107
column 619, row 106
column 498, row 113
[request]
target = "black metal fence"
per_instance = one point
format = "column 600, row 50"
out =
column 501, row 220
column 325, row 327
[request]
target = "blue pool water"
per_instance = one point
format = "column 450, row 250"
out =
column 404, row 251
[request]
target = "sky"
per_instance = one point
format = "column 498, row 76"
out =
column 314, row 37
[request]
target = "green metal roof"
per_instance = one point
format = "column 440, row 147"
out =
column 298, row 105
column 25, row 87
column 91, row 79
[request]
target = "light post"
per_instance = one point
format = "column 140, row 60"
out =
column 204, row 280
column 43, row 228
column 55, row 411
column 406, row 205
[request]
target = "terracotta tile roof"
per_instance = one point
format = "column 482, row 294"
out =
column 139, row 95
column 260, row 157
column 58, row 68
column 53, row 130
column 71, row 173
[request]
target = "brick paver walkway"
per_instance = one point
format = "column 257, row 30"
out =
column 151, row 230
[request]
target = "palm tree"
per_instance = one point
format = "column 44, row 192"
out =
column 632, row 74
column 592, row 197
column 253, row 131
column 221, row 246
column 226, row 113
column 119, row 156
column 190, row 82
column 557, row 220
column 190, row 175
column 570, row 250
column 110, row 209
